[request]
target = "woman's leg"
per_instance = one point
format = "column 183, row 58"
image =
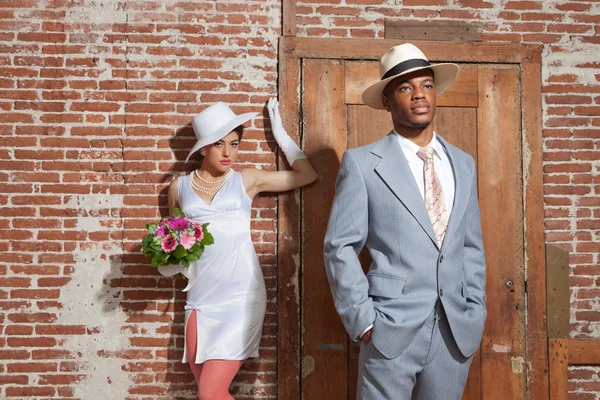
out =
column 191, row 344
column 215, row 379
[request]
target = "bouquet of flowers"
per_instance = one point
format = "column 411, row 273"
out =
column 176, row 240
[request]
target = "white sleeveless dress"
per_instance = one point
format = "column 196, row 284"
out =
column 229, row 293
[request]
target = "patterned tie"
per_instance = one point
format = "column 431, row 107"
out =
column 434, row 196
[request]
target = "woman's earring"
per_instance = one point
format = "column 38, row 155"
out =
column 202, row 152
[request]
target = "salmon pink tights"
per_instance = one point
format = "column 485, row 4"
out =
column 213, row 376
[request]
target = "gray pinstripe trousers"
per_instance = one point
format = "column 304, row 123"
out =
column 431, row 368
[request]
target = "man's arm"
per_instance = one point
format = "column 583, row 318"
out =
column 346, row 235
column 474, row 262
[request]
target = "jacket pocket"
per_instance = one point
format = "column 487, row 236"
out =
column 385, row 286
column 463, row 291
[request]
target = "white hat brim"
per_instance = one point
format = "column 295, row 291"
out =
column 221, row 132
column 443, row 76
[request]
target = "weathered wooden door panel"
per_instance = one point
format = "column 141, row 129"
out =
column 323, row 339
column 503, row 370
column 480, row 115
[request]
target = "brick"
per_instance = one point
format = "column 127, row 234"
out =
column 528, row 27
column 51, row 354
column 569, row 28
column 592, row 111
column 541, row 38
column 93, row 106
column 29, row 367
column 29, row 391
column 569, row 122
column 541, row 17
column 54, row 330
column 475, row 3
column 573, row 7
column 15, row 282
column 35, row 294
column 60, row 379
column 586, row 18
column 31, row 342
column 523, row 5
column 13, row 355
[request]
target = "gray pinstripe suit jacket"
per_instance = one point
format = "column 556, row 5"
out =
column 378, row 203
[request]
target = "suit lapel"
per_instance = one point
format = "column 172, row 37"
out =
column 393, row 169
column 462, row 191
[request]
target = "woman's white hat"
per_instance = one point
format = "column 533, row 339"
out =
column 404, row 59
column 214, row 123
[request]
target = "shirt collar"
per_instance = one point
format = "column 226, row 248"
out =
column 411, row 148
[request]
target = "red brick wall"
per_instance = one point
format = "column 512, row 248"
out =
column 96, row 100
column 571, row 111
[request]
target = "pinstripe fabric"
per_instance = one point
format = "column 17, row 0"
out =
column 378, row 205
column 431, row 367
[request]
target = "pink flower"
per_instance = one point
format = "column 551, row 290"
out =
column 198, row 232
column 187, row 241
column 168, row 245
column 162, row 231
column 179, row 224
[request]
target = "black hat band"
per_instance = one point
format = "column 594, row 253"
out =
column 405, row 66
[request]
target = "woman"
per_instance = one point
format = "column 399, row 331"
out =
column 226, row 296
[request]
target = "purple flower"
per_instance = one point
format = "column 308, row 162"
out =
column 169, row 244
column 179, row 224
column 162, row 231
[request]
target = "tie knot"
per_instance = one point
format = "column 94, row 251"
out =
column 426, row 153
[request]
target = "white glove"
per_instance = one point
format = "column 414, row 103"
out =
column 284, row 141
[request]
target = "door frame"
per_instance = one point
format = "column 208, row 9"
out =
column 292, row 51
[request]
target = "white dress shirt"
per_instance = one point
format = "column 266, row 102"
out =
column 441, row 164
column 443, row 169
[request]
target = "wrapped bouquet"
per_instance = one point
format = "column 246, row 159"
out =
column 176, row 240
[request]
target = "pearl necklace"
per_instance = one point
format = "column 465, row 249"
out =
column 211, row 190
column 210, row 182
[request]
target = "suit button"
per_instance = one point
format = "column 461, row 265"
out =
column 441, row 292
column 441, row 259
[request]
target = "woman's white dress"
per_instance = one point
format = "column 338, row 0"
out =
column 229, row 293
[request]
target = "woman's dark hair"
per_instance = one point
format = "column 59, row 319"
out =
column 240, row 131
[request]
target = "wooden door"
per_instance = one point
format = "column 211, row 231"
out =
column 481, row 115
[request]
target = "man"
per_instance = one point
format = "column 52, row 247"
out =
column 411, row 198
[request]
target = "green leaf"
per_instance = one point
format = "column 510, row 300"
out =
column 151, row 227
column 195, row 247
column 147, row 240
column 148, row 252
column 156, row 260
column 177, row 212
column 166, row 258
column 186, row 263
column 180, row 251
column 155, row 247
column 208, row 239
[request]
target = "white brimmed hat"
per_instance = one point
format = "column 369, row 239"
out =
column 404, row 59
column 214, row 123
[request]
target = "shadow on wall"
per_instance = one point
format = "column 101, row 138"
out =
column 153, row 304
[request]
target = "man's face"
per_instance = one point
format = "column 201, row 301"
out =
column 411, row 99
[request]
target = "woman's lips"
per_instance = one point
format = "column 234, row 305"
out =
column 225, row 162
